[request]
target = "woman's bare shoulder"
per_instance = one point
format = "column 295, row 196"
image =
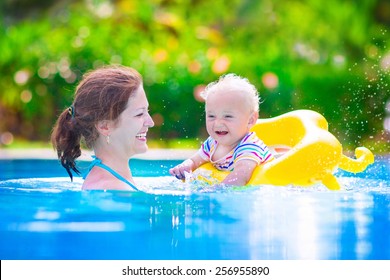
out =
column 103, row 181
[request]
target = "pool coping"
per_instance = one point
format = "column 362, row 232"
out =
column 46, row 153
column 151, row 154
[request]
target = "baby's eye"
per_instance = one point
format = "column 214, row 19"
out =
column 228, row 116
column 210, row 116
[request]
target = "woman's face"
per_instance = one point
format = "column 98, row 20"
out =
column 133, row 124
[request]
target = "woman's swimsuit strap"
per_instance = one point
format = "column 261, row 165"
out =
column 97, row 162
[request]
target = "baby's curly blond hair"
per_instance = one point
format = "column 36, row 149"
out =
column 232, row 81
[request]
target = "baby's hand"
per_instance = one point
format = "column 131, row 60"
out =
column 178, row 171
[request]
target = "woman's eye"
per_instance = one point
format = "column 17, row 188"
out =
column 142, row 113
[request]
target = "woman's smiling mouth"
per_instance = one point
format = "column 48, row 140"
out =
column 141, row 136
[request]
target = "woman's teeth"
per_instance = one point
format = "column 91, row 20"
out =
column 141, row 135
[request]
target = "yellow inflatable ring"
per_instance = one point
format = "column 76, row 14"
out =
column 313, row 156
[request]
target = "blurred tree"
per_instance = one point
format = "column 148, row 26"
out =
column 331, row 56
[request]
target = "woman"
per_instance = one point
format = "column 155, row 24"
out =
column 110, row 113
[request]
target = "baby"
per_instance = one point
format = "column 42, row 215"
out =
column 232, row 105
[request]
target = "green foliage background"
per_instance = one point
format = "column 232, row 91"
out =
column 330, row 56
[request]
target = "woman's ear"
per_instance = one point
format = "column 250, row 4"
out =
column 103, row 127
column 253, row 119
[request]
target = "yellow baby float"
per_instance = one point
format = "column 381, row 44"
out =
column 313, row 155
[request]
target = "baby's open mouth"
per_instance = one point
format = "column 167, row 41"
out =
column 221, row 132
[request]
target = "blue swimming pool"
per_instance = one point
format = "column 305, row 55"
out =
column 44, row 216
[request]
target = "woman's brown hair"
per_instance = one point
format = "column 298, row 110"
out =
column 102, row 94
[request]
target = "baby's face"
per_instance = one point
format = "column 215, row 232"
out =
column 229, row 117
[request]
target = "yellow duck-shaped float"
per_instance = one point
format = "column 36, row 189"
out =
column 313, row 156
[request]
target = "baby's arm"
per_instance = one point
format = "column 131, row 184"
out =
column 187, row 166
column 241, row 174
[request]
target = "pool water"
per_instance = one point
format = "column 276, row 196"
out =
column 45, row 216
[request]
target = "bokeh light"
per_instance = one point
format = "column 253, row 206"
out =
column 270, row 80
column 21, row 77
column 197, row 91
column 6, row 138
column 221, row 64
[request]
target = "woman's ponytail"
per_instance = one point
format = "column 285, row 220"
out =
column 66, row 140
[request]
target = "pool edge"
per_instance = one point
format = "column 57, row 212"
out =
column 46, row 153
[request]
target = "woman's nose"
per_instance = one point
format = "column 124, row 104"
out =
column 149, row 121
